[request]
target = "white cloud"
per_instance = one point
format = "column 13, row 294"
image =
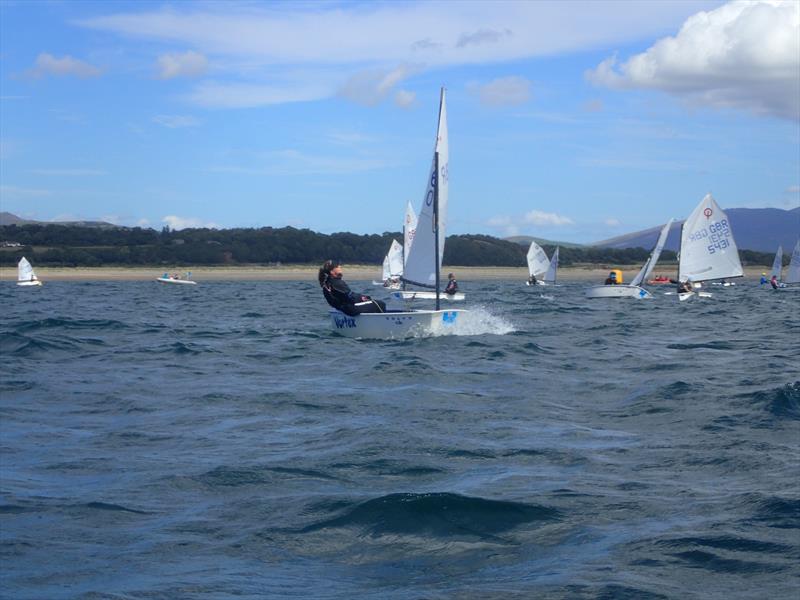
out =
column 482, row 36
column 238, row 95
column 11, row 192
column 175, row 222
column 176, row 121
column 793, row 189
column 505, row 91
column 612, row 222
column 294, row 162
column 505, row 224
column 47, row 64
column 370, row 87
column 537, row 217
column 256, row 43
column 405, row 99
column 67, row 172
column 743, row 55
column 185, row 64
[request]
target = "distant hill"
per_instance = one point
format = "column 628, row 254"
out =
column 759, row 229
column 7, row 218
column 525, row 240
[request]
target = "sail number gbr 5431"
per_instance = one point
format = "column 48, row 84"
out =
column 717, row 235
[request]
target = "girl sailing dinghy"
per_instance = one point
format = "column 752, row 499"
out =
column 423, row 261
column 708, row 250
column 25, row 275
column 634, row 289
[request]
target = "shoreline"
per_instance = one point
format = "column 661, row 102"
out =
column 588, row 273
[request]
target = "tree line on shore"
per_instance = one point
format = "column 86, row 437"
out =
column 78, row 246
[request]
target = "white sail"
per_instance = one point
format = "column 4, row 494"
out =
column 648, row 267
column 708, row 250
column 537, row 260
column 409, row 229
column 25, row 271
column 550, row 276
column 395, row 257
column 793, row 273
column 421, row 264
column 777, row 264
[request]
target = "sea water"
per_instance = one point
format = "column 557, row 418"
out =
column 220, row 441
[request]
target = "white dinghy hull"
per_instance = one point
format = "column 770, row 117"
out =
column 425, row 295
column 617, row 291
column 33, row 283
column 178, row 281
column 394, row 325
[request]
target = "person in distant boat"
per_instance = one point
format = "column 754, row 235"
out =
column 684, row 286
column 176, row 276
column 452, row 285
column 390, row 282
column 532, row 280
column 611, row 279
column 774, row 282
column 339, row 295
column 763, row 278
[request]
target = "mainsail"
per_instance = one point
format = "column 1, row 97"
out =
column 777, row 264
column 393, row 262
column 648, row 267
column 409, row 230
column 25, row 271
column 550, row 276
column 708, row 250
column 537, row 259
column 421, row 264
column 793, row 273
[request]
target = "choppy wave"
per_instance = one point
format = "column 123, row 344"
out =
column 544, row 446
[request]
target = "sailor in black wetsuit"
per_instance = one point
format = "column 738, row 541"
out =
column 339, row 295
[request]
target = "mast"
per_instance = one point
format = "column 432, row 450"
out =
column 436, row 221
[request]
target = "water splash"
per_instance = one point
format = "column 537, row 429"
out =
column 474, row 321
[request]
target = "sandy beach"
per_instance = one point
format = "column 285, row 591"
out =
column 589, row 274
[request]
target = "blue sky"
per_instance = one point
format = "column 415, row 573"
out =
column 573, row 121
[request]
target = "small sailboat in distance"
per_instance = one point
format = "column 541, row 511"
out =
column 392, row 267
column 25, row 274
column 539, row 264
column 634, row 289
column 708, row 250
column 177, row 279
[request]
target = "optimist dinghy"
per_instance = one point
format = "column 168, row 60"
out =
column 634, row 289
column 25, row 274
column 423, row 261
column 708, row 250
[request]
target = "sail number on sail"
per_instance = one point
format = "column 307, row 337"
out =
column 717, row 233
